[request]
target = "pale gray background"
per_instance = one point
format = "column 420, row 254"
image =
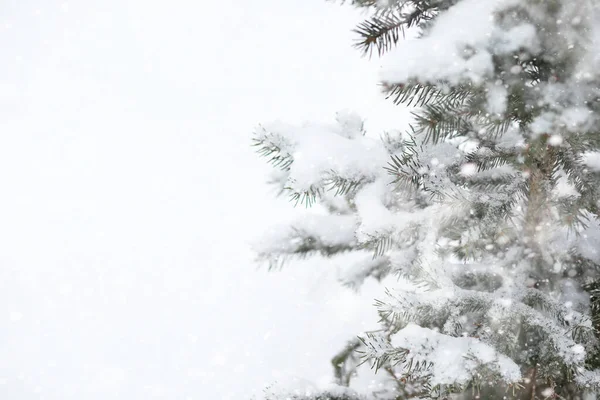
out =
column 129, row 194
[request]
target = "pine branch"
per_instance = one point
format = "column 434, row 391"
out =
column 496, row 127
column 332, row 183
column 593, row 289
column 383, row 30
column 379, row 244
column 574, row 215
column 308, row 197
column 342, row 186
column 301, row 243
column 420, row 94
column 585, row 183
column 379, row 351
column 487, row 158
column 406, row 168
column 437, row 122
column 342, row 362
column 380, row 32
column 309, row 247
column 271, row 146
column 377, row 268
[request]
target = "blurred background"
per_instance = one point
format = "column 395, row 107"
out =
column 130, row 194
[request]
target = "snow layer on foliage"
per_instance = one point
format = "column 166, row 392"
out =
column 587, row 242
column 291, row 385
column 513, row 137
column 377, row 218
column 453, row 359
column 300, row 389
column 320, row 151
column 589, row 64
column 327, row 230
column 440, row 155
column 566, row 109
column 459, row 46
column 496, row 99
column 504, row 305
column 592, row 160
column 576, row 119
column 543, row 123
column 573, row 119
column 494, row 173
column 350, row 124
column 354, row 273
column 589, row 379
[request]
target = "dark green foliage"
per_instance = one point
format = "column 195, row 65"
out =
column 514, row 196
column 381, row 32
column 406, row 168
column 419, row 95
column 593, row 288
column 387, row 26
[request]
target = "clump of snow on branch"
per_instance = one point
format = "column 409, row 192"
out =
column 320, row 152
column 592, row 160
column 458, row 51
column 293, row 388
column 322, row 231
column 453, row 360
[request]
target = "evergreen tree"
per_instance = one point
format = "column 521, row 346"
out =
column 487, row 206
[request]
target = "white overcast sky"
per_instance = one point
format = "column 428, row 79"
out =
column 129, row 193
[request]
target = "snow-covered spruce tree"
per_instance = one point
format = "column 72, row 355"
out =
column 488, row 205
